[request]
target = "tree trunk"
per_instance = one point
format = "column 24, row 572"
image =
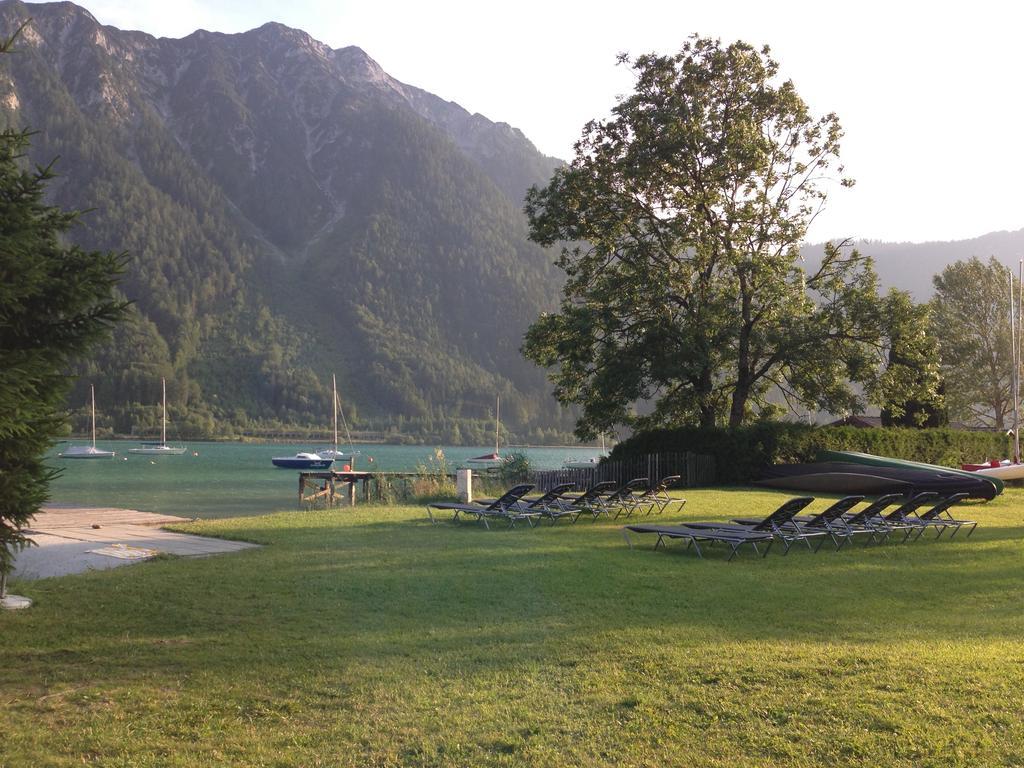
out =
column 707, row 417
column 738, row 408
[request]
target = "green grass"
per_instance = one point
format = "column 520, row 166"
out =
column 371, row 638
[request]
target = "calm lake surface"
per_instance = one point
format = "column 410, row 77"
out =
column 230, row 479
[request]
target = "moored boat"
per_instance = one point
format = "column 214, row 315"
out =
column 302, row 460
column 342, row 457
column 487, row 460
column 491, row 459
column 161, row 448
column 87, row 451
column 588, row 463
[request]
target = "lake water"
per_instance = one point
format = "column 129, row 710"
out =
column 228, row 479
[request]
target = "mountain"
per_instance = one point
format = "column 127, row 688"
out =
column 290, row 211
column 910, row 266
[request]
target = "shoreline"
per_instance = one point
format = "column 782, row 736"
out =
column 302, row 441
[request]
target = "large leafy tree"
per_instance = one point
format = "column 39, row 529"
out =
column 55, row 300
column 685, row 290
column 971, row 311
column 908, row 388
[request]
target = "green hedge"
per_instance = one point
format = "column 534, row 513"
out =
column 740, row 454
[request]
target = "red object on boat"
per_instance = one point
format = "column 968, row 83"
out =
column 993, row 464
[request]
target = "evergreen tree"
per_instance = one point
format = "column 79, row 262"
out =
column 55, row 300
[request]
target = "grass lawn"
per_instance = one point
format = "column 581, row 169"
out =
column 371, row 638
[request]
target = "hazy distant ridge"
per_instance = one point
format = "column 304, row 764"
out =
column 910, row 266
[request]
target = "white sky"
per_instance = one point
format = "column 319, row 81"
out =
column 929, row 94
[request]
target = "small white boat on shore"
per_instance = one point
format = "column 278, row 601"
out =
column 1004, row 470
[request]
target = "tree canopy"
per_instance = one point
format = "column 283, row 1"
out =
column 683, row 214
column 971, row 314
column 55, row 300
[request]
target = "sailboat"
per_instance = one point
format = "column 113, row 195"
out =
column 88, row 451
column 161, row 448
column 334, row 454
column 491, row 459
column 323, row 459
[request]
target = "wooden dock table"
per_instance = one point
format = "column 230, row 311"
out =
column 325, row 484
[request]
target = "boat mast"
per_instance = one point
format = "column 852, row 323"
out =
column 1017, row 359
column 1014, row 373
column 497, row 421
column 334, row 394
column 163, row 421
column 92, row 392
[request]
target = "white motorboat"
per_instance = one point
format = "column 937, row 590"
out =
column 302, row 461
column 161, row 448
column 88, row 451
column 588, row 463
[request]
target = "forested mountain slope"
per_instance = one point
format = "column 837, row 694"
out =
column 290, row 211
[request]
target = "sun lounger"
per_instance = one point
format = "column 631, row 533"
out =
column 775, row 526
column 588, row 502
column 778, row 523
column 505, row 508
column 660, row 496
column 734, row 537
column 900, row 518
column 940, row 518
column 825, row 524
column 626, row 500
column 547, row 505
column 854, row 523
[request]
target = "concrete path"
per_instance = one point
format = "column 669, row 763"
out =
column 78, row 539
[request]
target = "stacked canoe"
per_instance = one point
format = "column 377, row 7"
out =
column 849, row 472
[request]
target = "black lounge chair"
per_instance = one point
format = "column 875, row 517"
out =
column 825, row 524
column 779, row 524
column 775, row 526
column 735, row 537
column 899, row 519
column 547, row 505
column 589, row 501
column 626, row 500
column 505, row 508
column 939, row 517
column 862, row 522
column 660, row 496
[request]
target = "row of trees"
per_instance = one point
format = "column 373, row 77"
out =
column 679, row 223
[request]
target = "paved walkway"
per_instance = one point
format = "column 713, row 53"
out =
column 78, row 539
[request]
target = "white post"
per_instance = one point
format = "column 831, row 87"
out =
column 464, row 485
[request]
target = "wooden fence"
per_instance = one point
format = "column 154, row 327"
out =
column 694, row 469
